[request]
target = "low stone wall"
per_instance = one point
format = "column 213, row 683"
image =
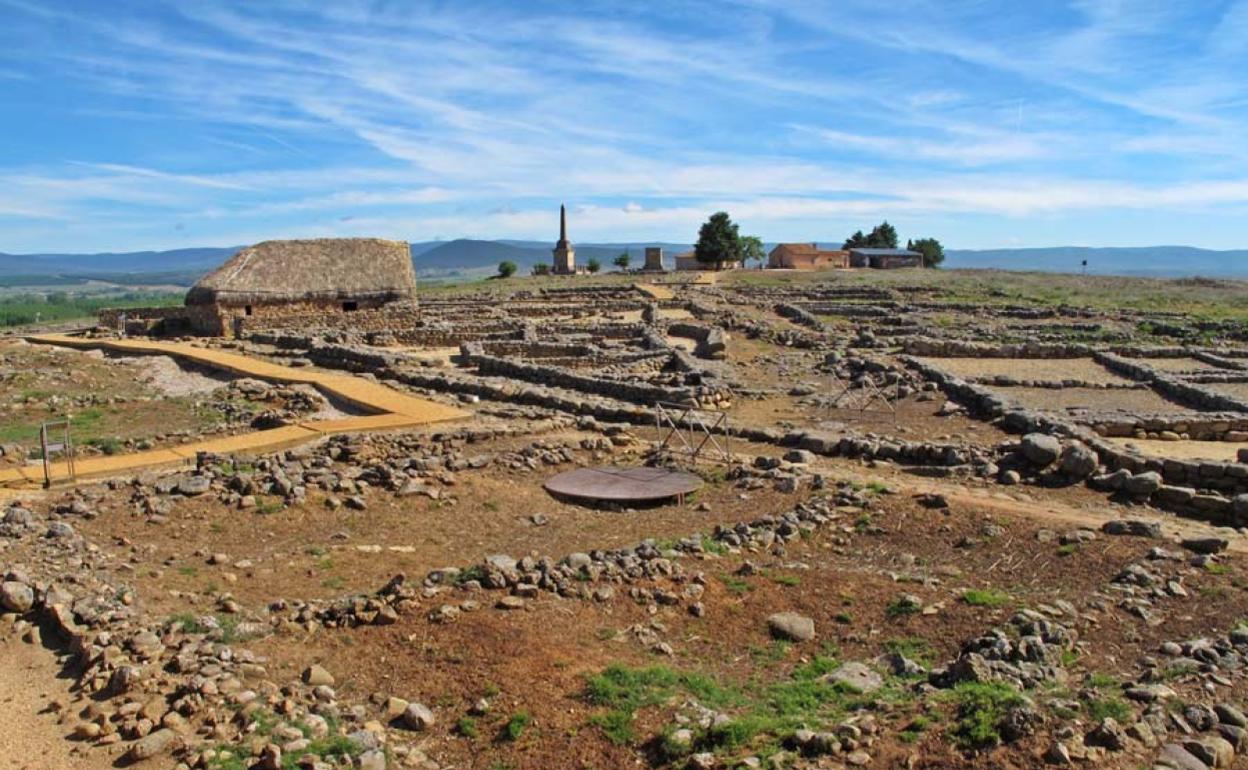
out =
column 886, row 310
column 712, row 342
column 1228, row 426
column 1183, row 479
column 1172, row 387
column 636, row 392
column 940, row 348
column 798, row 315
column 147, row 320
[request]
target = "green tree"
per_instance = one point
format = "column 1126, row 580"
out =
column 718, row 240
column 752, row 248
column 855, row 241
column 593, row 265
column 506, row 269
column 884, row 236
column 933, row 253
column 541, row 268
column 622, row 261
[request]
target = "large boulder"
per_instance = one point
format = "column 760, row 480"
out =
column 1142, row 485
column 857, row 677
column 791, row 626
column 1205, row 545
column 1041, row 449
column 418, row 716
column 1079, row 461
column 162, row 741
column 16, row 596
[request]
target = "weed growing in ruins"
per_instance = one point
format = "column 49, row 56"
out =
column 516, row 725
column 1110, row 707
column 735, row 584
column 475, row 572
column 467, row 727
column 623, row 690
column 984, row 597
column 981, row 708
column 915, row 729
column 912, row 647
column 265, row 507
column 900, row 607
column 788, row 580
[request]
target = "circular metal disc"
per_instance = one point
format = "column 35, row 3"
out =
column 623, row 484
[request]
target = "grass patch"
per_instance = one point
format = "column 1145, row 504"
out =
column 1101, row 708
column 788, row 580
column 913, row 647
column 981, row 707
column 265, row 507
column 899, row 608
column 986, row 597
column 225, row 625
column 915, row 729
column 735, row 584
column 467, row 727
column 516, row 725
column 475, row 572
column 622, row 691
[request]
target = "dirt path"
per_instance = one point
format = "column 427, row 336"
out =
column 1217, row 451
column 392, row 410
column 1057, row 514
column 30, row 738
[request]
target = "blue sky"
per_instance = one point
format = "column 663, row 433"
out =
column 146, row 125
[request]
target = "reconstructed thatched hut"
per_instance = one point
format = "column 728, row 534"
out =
column 280, row 279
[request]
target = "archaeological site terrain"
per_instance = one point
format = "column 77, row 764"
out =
column 937, row 519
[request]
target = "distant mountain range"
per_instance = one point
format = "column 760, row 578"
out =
column 467, row 257
column 1152, row 261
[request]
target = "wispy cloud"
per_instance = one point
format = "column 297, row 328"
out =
column 229, row 118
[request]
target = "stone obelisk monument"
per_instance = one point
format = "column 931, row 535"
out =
column 565, row 255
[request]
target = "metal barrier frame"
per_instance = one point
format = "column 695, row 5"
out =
column 861, row 399
column 681, row 418
column 66, row 446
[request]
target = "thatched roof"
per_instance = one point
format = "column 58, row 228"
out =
column 320, row 268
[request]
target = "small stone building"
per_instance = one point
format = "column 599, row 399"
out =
column 323, row 277
column 885, row 259
column 806, row 256
column 654, row 260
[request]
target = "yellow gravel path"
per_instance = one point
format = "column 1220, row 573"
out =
column 393, row 410
column 654, row 291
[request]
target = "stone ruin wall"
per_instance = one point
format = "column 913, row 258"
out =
column 1183, row 480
